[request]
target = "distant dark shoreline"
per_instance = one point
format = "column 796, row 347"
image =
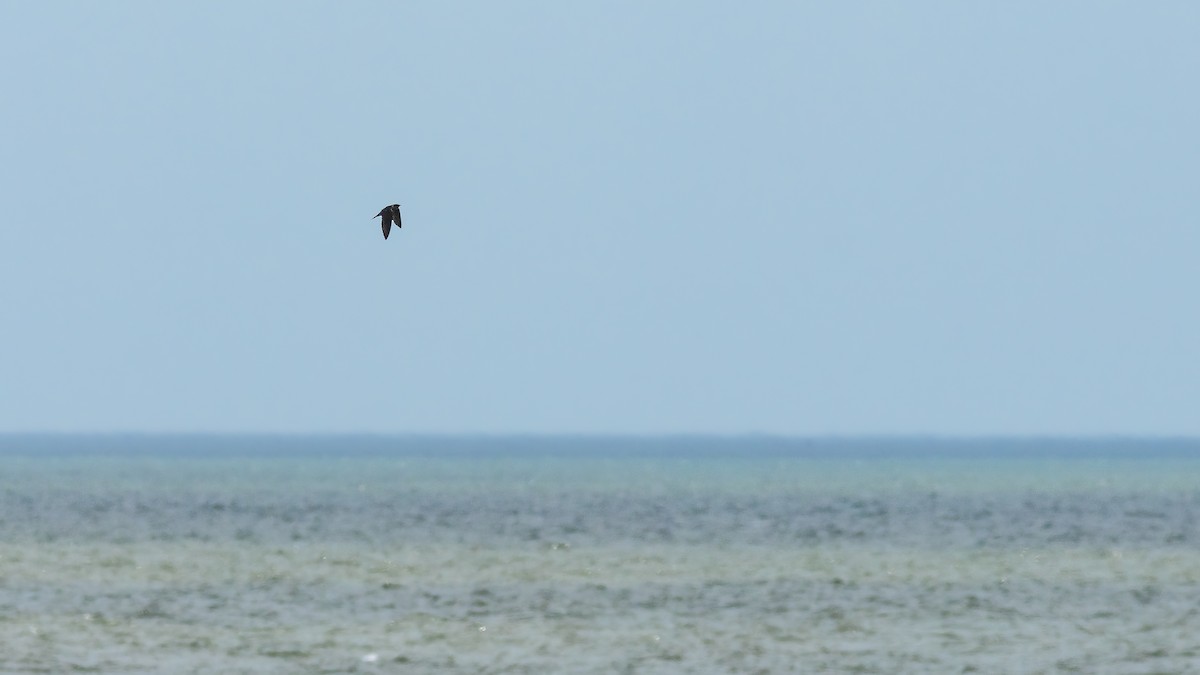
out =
column 592, row 446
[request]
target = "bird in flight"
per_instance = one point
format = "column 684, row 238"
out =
column 389, row 214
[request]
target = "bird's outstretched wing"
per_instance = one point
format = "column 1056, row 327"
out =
column 396, row 215
column 387, row 225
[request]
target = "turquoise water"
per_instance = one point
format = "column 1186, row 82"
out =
column 264, row 554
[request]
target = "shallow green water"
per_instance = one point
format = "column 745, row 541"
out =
column 497, row 559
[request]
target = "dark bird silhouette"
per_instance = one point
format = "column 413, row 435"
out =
column 389, row 214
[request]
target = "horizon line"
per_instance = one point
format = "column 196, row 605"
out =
column 630, row 435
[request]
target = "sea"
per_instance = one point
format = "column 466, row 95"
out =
column 542, row 554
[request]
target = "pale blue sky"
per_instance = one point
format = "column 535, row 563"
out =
column 620, row 217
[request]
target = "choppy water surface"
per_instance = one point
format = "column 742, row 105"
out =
column 500, row 555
